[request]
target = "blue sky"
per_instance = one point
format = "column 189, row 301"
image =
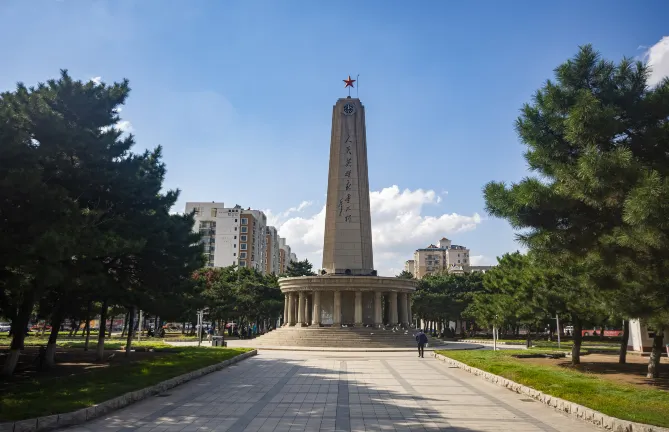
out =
column 240, row 96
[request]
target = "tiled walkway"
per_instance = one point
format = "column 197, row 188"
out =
column 302, row 391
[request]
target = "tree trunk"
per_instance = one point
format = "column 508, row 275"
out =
column 100, row 349
column 50, row 355
column 183, row 328
column 131, row 326
column 88, row 324
column 18, row 336
column 655, row 354
column 622, row 358
column 529, row 337
column 578, row 338
column 125, row 325
column 76, row 329
column 601, row 334
column 111, row 325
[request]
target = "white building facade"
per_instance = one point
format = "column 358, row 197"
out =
column 272, row 262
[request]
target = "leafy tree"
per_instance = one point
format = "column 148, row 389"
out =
column 599, row 203
column 87, row 220
column 54, row 152
column 405, row 275
column 300, row 268
column 443, row 297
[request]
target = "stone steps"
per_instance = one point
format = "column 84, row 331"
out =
column 337, row 337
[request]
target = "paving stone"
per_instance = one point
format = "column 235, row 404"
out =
column 328, row 391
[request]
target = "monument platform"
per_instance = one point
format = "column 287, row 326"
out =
column 337, row 338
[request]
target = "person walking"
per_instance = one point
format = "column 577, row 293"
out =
column 421, row 339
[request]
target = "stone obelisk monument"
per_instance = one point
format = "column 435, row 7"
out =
column 347, row 293
column 347, row 248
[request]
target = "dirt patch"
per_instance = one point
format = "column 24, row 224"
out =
column 69, row 361
column 607, row 367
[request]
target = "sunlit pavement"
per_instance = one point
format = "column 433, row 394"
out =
column 338, row 391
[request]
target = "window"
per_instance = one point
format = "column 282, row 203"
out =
column 235, row 220
column 242, row 238
column 242, row 263
column 213, row 212
column 235, row 237
column 245, row 221
column 244, row 229
column 234, row 254
column 242, row 255
column 234, row 245
column 242, row 246
column 458, row 260
column 235, row 228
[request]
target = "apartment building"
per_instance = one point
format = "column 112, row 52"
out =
column 285, row 255
column 219, row 227
column 443, row 257
column 409, row 266
column 272, row 263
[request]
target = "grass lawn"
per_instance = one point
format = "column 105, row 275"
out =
column 45, row 396
column 114, row 343
column 623, row 401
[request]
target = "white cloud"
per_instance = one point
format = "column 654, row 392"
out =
column 657, row 58
column 482, row 260
column 97, row 80
column 398, row 227
column 124, row 126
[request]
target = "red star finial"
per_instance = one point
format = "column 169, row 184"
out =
column 349, row 82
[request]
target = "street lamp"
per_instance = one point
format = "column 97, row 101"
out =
column 557, row 319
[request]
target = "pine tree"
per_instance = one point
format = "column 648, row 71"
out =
column 599, row 203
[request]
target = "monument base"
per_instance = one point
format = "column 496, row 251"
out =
column 338, row 337
column 346, row 302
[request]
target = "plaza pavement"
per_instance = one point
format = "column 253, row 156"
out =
column 287, row 391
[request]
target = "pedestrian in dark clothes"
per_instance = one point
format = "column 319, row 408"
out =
column 421, row 339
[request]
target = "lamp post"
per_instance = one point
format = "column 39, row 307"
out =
column 557, row 319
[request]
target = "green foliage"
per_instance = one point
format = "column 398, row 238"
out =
column 595, row 138
column 405, row 275
column 46, row 396
column 444, row 296
column 86, row 220
column 232, row 293
column 300, row 268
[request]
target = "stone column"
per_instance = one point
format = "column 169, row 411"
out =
column 291, row 309
column 300, row 310
column 393, row 308
column 336, row 314
column 316, row 314
column 307, row 310
column 404, row 317
column 378, row 320
column 410, row 315
column 358, row 309
column 286, row 301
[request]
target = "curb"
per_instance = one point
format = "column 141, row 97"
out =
column 572, row 409
column 83, row 415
